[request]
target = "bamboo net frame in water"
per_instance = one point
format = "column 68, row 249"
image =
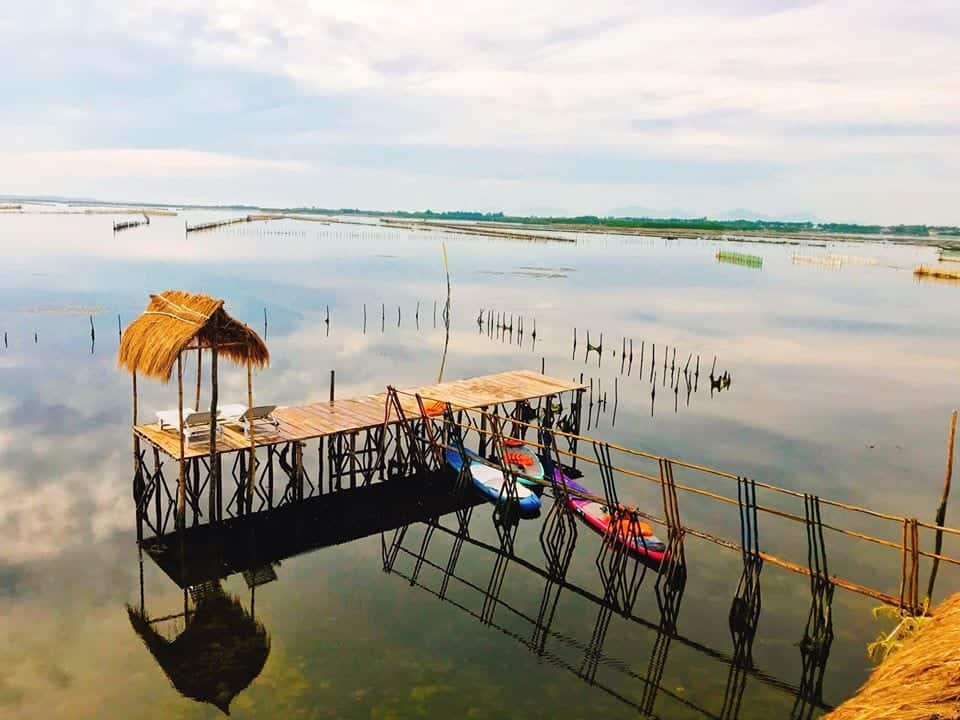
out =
column 909, row 547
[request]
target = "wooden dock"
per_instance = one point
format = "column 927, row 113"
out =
column 298, row 423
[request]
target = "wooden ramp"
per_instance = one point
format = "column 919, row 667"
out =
column 317, row 420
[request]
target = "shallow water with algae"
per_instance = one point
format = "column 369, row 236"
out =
column 838, row 381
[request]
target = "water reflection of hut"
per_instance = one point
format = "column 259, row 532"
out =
column 220, row 651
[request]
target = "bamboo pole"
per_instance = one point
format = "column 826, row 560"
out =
column 196, row 402
column 251, row 477
column 136, row 462
column 182, row 480
column 942, row 509
column 214, row 491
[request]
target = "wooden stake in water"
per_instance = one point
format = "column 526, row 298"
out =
column 446, row 270
column 119, row 328
column 942, row 509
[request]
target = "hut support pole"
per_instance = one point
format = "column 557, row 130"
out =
column 214, row 492
column 942, row 510
column 137, row 474
column 196, row 402
column 252, row 474
column 182, row 481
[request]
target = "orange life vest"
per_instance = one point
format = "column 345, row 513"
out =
column 522, row 459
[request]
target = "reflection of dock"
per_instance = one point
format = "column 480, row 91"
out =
column 214, row 552
column 560, row 649
column 192, row 645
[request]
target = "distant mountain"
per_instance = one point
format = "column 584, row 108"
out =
column 745, row 214
column 639, row 211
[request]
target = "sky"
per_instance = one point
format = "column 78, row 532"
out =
column 843, row 110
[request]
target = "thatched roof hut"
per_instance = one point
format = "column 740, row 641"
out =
column 220, row 652
column 154, row 343
column 919, row 681
column 175, row 321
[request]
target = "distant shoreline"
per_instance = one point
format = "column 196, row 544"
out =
column 474, row 222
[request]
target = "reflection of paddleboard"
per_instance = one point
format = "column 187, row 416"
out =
column 597, row 516
column 490, row 482
column 522, row 459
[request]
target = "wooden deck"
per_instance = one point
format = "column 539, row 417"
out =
column 316, row 420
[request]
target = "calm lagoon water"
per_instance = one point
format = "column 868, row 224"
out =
column 842, row 380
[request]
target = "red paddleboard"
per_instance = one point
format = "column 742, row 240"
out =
column 637, row 537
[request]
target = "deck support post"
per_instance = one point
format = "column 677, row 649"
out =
column 577, row 413
column 157, row 495
column 252, row 472
column 353, row 460
column 482, row 447
column 215, row 501
column 182, row 480
column 196, row 399
column 138, row 484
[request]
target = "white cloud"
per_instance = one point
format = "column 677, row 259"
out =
column 796, row 87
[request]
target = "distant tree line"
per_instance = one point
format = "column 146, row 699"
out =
column 701, row 223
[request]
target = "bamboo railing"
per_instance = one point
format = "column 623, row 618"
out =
column 486, row 425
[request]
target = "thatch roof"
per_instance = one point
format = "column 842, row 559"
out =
column 175, row 321
column 222, row 650
column 920, row 680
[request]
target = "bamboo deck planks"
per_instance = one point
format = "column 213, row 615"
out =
column 320, row 419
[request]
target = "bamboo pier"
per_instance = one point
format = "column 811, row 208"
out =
column 129, row 224
column 389, row 436
column 220, row 223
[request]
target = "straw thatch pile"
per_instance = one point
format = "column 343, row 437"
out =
column 920, row 681
column 176, row 320
column 222, row 650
